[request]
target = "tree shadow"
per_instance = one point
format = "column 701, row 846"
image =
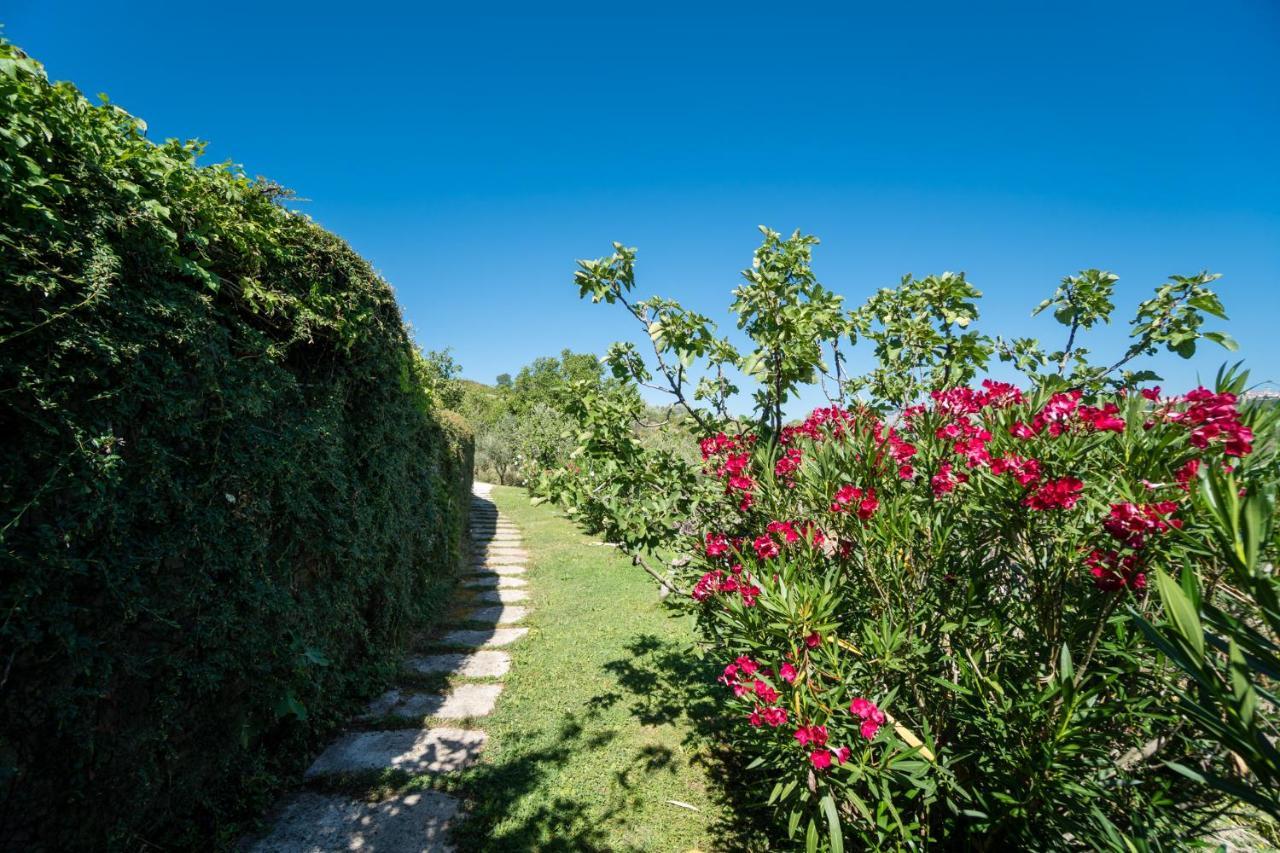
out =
column 663, row 682
column 557, row 825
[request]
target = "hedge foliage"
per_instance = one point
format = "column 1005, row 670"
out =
column 224, row 501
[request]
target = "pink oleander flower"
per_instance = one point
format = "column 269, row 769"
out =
column 765, row 547
column 1000, row 395
column 717, row 545
column 1102, row 419
column 707, row 585
column 906, row 472
column 766, row 693
column 1111, row 571
column 816, row 735
column 813, row 640
column 787, row 673
column 775, row 716
column 1021, row 430
column 820, row 759
column 842, row 754
column 1024, row 471
column 1062, row 493
column 1188, row 472
column 946, row 479
column 872, row 717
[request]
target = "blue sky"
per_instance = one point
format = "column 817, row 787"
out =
column 473, row 155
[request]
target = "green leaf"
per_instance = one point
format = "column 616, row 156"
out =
column 1180, row 610
column 828, row 806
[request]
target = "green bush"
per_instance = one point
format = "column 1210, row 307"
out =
column 225, row 502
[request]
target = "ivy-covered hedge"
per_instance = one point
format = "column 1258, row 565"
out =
column 224, row 502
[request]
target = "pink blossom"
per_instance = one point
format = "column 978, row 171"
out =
column 716, row 545
column 787, row 673
column 765, row 547
column 1055, row 494
column 820, row 759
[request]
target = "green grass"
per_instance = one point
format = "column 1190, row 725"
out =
column 603, row 738
column 594, row 734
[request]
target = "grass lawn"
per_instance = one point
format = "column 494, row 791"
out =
column 593, row 735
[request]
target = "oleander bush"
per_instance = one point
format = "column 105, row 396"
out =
column 952, row 611
column 226, row 497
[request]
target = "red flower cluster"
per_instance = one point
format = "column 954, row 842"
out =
column 1214, row 417
column 740, row 676
column 871, row 716
column 946, row 479
column 1055, row 494
column 1133, row 526
column 820, row 421
column 966, row 401
column 733, row 468
column 1112, row 571
column 820, row 757
column 720, row 443
column 847, row 495
column 1025, row 471
column 717, row 582
column 787, row 465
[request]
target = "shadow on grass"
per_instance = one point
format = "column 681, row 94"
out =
column 659, row 682
column 561, row 824
column 663, row 682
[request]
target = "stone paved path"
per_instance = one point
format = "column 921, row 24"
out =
column 419, row 730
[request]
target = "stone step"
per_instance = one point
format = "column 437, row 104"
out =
column 499, row 615
column 489, row 567
column 409, row 823
column 460, row 703
column 499, row 548
column 499, row 560
column 502, row 596
column 483, row 638
column 472, row 665
column 490, row 580
column 412, row 750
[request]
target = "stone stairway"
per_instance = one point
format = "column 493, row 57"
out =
column 421, row 731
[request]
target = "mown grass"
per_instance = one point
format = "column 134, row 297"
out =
column 594, row 743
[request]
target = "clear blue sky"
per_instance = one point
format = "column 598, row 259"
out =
column 473, row 155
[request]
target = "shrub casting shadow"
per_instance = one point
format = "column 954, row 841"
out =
column 663, row 682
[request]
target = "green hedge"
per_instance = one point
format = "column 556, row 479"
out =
column 224, row 503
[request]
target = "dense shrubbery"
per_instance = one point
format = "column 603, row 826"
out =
column 957, row 616
column 225, row 499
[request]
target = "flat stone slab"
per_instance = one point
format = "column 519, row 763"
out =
column 319, row 823
column 412, row 750
column 460, row 703
column 471, row 665
column 500, row 551
column 501, row 536
column 497, row 568
column 490, row 580
column 499, row 615
column 476, row 638
column 502, row 596
column 499, row 560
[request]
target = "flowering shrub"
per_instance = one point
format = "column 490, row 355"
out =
column 926, row 613
column 932, row 609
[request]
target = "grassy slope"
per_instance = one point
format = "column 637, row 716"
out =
column 592, row 735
